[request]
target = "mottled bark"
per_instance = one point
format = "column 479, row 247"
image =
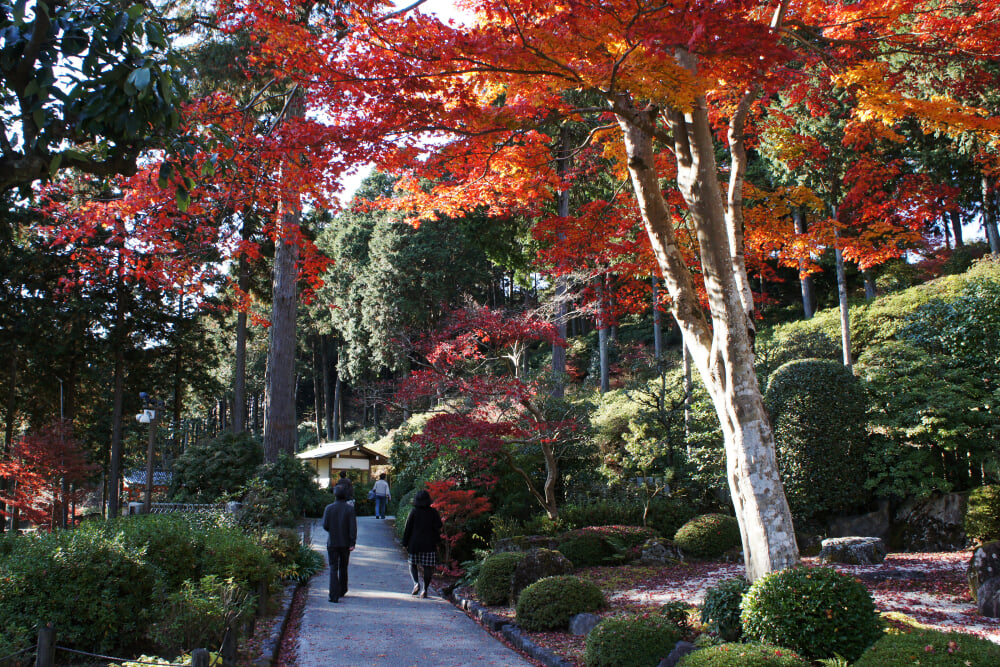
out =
column 991, row 211
column 657, row 320
column 722, row 351
column 240, row 363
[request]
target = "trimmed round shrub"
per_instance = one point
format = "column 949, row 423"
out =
column 549, row 603
column 982, row 519
column 931, row 648
column 815, row 611
column 721, row 610
column 631, row 641
column 818, row 412
column 586, row 548
column 743, row 655
column 708, row 535
column 493, row 582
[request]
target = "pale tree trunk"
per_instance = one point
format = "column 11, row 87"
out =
column 331, row 397
column 990, row 213
column 805, row 280
column 721, row 350
column 845, row 313
column 336, row 408
column 279, row 397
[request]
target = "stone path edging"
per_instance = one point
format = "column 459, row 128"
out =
column 272, row 644
column 510, row 631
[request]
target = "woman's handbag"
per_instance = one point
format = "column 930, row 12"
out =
column 371, row 494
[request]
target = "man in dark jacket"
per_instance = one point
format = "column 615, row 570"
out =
column 341, row 523
column 348, row 485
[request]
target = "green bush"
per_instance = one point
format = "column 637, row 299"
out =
column 931, row 648
column 708, row 535
column 816, row 611
column 587, row 548
column 743, row 655
column 493, row 582
column 549, row 603
column 720, row 612
column 631, row 641
column 818, row 412
column 667, row 515
column 601, row 513
column 210, row 469
column 170, row 541
column 982, row 519
column 96, row 589
column 197, row 615
column 295, row 479
column 230, row 554
column 282, row 545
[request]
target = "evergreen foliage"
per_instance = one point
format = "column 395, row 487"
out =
column 631, row 641
column 818, row 411
column 708, row 536
column 720, row 612
column 816, row 611
column 549, row 603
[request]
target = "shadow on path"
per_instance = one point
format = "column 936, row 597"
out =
column 378, row 622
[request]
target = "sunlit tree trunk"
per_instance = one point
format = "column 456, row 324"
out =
column 722, row 349
column 845, row 311
column 602, row 337
column 118, row 396
column 240, row 363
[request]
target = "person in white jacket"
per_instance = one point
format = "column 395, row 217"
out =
column 382, row 496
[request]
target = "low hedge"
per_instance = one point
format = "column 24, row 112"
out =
column 631, row 641
column 708, row 536
column 930, row 648
column 549, row 603
column 743, row 655
column 720, row 612
column 493, row 582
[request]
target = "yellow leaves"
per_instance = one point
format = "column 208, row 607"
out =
column 882, row 101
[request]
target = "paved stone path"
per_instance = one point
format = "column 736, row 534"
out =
column 379, row 623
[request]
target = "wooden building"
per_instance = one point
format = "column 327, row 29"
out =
column 329, row 458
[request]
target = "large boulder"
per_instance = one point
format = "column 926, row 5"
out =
column 872, row 524
column 525, row 543
column 852, row 551
column 933, row 524
column 983, row 566
column 988, row 598
column 537, row 564
column 660, row 551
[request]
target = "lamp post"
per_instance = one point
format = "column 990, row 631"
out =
column 149, row 415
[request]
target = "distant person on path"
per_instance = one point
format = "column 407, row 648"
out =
column 347, row 484
column 382, row 496
column 420, row 537
column 341, row 523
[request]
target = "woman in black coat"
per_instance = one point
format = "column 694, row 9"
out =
column 420, row 537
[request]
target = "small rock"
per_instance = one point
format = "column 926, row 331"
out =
column 658, row 551
column 581, row 624
column 984, row 565
column 852, row 551
column 988, row 598
column 681, row 649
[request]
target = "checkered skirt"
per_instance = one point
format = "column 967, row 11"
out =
column 425, row 558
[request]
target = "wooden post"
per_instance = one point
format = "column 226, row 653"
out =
column 261, row 599
column 200, row 657
column 46, row 656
